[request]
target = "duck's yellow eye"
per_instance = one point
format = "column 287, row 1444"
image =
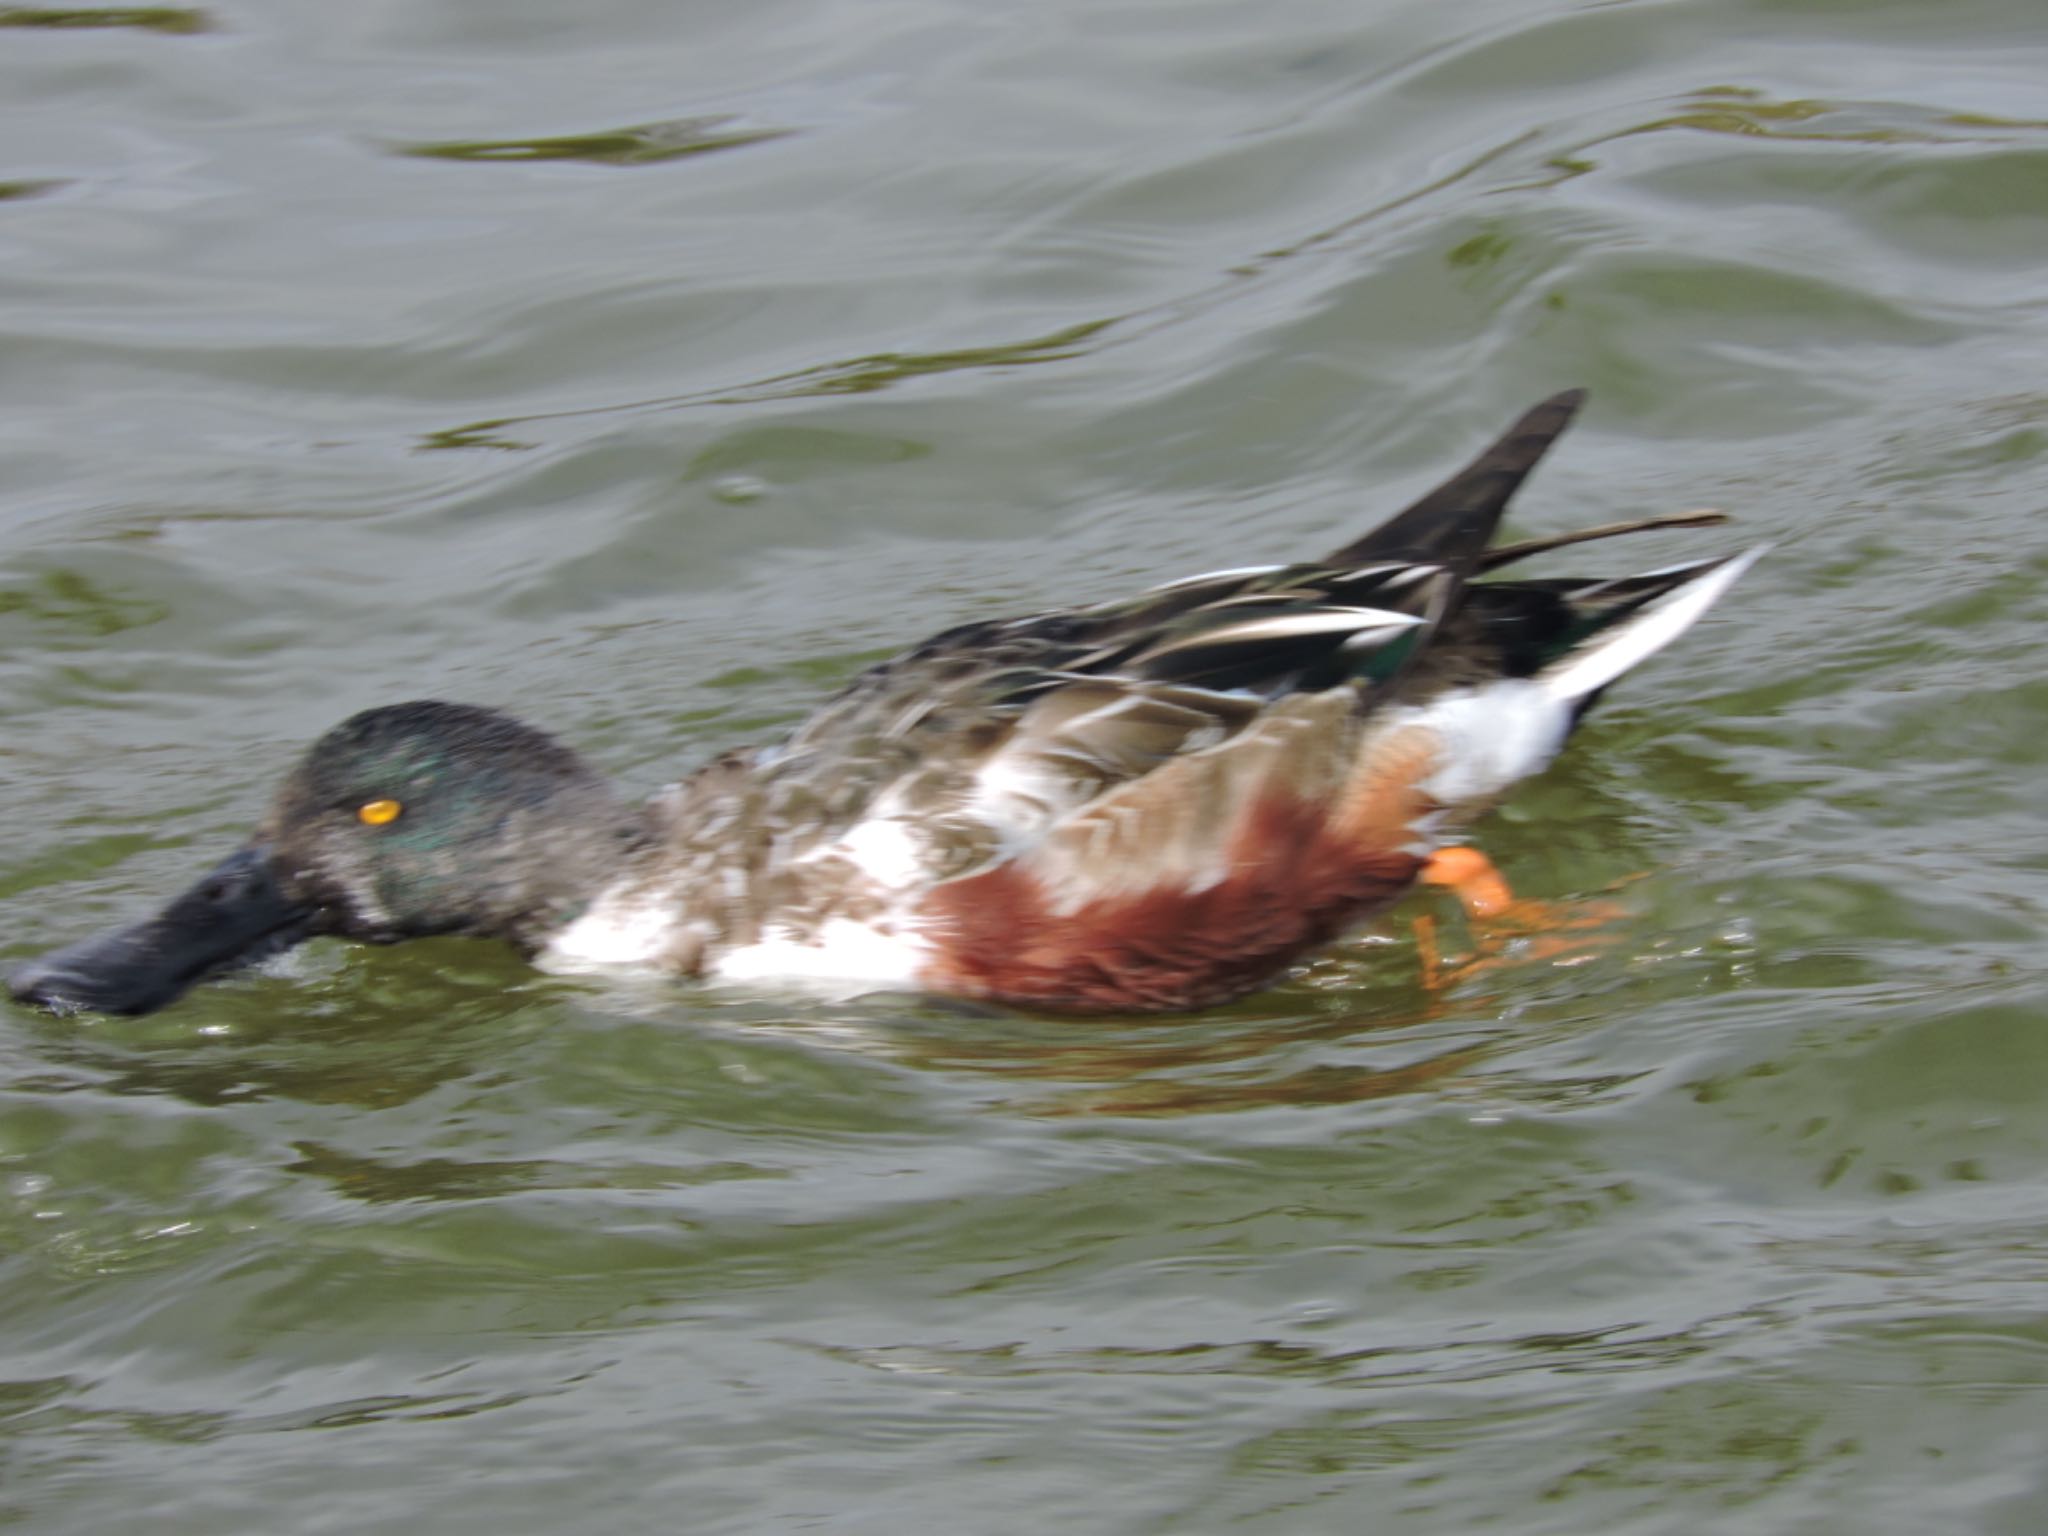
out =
column 378, row 813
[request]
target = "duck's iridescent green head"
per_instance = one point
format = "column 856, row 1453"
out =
column 406, row 820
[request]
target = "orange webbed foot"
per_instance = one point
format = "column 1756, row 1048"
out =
column 1554, row 931
column 1481, row 889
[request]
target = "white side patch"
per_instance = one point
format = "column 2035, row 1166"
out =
column 1489, row 737
column 843, row 956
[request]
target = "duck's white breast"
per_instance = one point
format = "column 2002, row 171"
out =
column 840, row 956
column 635, row 930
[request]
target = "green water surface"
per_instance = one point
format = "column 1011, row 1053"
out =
column 647, row 368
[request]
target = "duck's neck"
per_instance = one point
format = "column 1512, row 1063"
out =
column 687, row 879
column 568, row 863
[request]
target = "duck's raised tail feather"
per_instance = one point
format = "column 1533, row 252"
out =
column 1452, row 524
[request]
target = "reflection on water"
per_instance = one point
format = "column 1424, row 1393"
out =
column 850, row 376
column 174, row 19
column 643, row 144
column 1739, row 110
column 354, row 1025
column 67, row 600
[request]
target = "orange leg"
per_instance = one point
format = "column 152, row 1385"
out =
column 1428, row 954
column 1498, row 916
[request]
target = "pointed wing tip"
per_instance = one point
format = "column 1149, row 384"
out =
column 1652, row 628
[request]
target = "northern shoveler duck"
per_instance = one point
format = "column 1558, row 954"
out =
column 1145, row 805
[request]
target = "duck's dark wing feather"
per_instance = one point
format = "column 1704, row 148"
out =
column 1011, row 725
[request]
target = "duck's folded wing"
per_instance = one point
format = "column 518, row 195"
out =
column 1192, row 882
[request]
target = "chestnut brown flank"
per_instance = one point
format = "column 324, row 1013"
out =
column 1292, row 884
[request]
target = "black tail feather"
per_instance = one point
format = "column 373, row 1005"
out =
column 1451, row 525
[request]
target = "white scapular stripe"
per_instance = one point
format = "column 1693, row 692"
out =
column 1246, row 571
column 1286, row 626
